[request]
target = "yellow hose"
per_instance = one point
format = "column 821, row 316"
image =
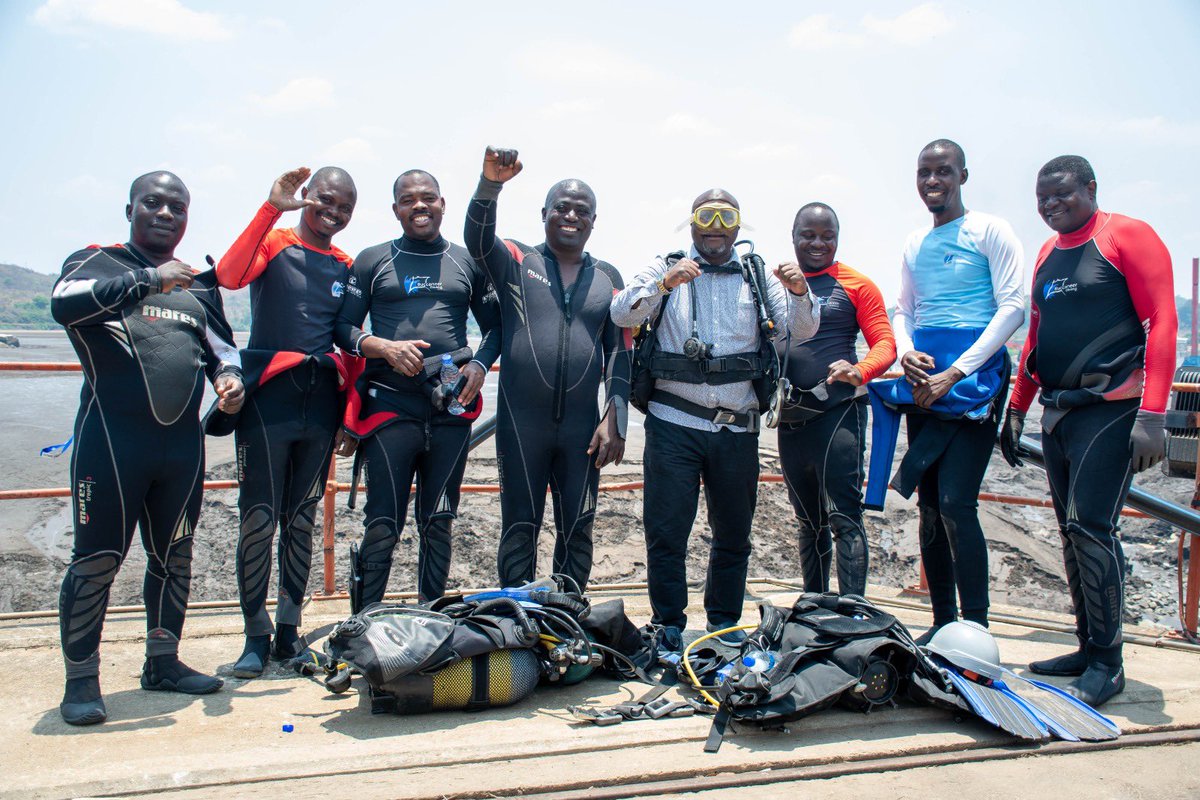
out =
column 687, row 665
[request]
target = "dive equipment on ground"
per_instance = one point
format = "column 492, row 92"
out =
column 969, row 646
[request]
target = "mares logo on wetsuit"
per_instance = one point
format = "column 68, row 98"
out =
column 1058, row 286
column 83, row 496
column 420, row 283
column 158, row 312
column 338, row 289
column 536, row 277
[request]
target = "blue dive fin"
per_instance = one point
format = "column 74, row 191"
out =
column 1067, row 717
column 1000, row 708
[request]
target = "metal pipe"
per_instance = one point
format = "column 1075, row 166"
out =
column 1143, row 501
column 482, row 432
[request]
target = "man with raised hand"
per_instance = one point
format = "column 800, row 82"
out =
column 146, row 329
column 558, row 344
column 823, row 419
column 1101, row 352
column 285, row 434
column 417, row 290
column 703, row 418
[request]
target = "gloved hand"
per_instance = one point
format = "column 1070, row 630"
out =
column 1147, row 442
column 1010, row 437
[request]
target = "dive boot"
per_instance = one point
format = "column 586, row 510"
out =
column 168, row 674
column 288, row 643
column 1098, row 684
column 1068, row 665
column 253, row 660
column 82, row 703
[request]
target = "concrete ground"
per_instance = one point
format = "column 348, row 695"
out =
column 231, row 744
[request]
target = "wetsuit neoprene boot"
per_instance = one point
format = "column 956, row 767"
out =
column 82, row 703
column 1067, row 665
column 287, row 644
column 164, row 672
column 253, row 660
column 1099, row 683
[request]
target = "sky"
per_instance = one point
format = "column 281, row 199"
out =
column 650, row 103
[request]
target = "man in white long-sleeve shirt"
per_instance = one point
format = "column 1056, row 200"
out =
column 703, row 414
column 960, row 285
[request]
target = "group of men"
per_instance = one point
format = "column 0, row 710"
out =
column 313, row 381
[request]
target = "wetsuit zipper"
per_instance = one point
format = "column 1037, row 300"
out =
column 565, row 298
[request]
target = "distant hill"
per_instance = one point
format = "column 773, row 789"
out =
column 25, row 298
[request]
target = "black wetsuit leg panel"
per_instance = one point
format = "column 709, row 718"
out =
column 730, row 492
column 672, row 461
column 391, row 455
column 439, row 480
column 953, row 548
column 285, row 440
column 822, row 463
column 573, row 486
column 122, row 480
column 524, row 453
column 1087, row 460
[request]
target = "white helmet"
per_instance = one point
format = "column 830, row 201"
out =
column 967, row 645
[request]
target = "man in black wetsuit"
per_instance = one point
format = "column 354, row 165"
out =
column 285, row 435
column 558, row 344
column 417, row 289
column 1100, row 356
column 146, row 329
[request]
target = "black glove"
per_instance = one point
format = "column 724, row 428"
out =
column 1010, row 437
column 1147, row 442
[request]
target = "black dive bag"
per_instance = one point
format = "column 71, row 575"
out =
column 827, row 650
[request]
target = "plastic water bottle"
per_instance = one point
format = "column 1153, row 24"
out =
column 758, row 660
column 449, row 377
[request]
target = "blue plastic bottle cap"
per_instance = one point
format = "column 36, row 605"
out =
column 748, row 661
column 288, row 728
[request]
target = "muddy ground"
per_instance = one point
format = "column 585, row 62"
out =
column 1025, row 566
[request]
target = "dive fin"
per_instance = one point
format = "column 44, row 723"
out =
column 1067, row 717
column 1002, row 709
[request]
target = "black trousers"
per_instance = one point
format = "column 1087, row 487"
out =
column 1088, row 467
column 435, row 455
column 284, row 444
column 822, row 462
column 675, row 460
column 953, row 549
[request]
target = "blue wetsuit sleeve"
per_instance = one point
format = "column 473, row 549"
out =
column 86, row 294
column 348, row 333
column 634, row 304
column 480, row 234
column 486, row 310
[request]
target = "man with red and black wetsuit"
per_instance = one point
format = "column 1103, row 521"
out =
column 147, row 329
column 823, row 425
column 285, row 435
column 1101, row 350
column 417, row 290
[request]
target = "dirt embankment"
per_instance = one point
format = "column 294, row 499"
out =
column 1025, row 564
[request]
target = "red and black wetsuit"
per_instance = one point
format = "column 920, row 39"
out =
column 1101, row 335
column 558, row 344
column 292, row 413
column 822, row 436
column 412, row 290
column 139, row 449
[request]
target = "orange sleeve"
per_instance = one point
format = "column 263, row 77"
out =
column 248, row 256
column 871, row 314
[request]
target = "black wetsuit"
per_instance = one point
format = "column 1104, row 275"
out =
column 1101, row 336
column 139, row 450
column 413, row 290
column 822, row 436
column 286, row 430
column 558, row 344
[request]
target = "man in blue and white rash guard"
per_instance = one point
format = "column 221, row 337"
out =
column 960, row 301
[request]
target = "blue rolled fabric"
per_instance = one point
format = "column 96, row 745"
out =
column 970, row 398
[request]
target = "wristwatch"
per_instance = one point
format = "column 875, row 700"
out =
column 662, row 286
